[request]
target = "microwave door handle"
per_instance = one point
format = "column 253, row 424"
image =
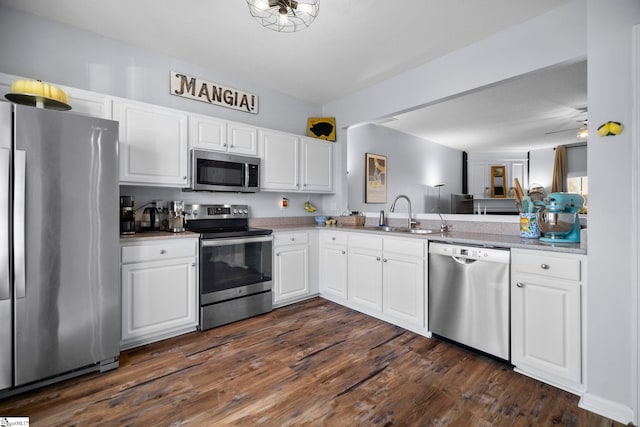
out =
column 229, row 242
column 246, row 175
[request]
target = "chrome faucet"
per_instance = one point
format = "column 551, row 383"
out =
column 444, row 227
column 411, row 222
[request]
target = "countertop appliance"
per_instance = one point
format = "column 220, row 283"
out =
column 176, row 216
column 214, row 171
column 235, row 275
column 150, row 219
column 127, row 216
column 469, row 296
column 559, row 221
column 59, row 246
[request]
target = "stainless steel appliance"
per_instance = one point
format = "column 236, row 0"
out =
column 127, row 216
column 235, row 264
column 150, row 219
column 213, row 171
column 59, row 240
column 176, row 216
column 469, row 296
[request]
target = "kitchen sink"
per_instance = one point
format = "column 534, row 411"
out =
column 423, row 231
column 404, row 230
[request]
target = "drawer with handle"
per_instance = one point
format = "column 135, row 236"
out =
column 333, row 238
column 556, row 266
column 159, row 251
column 295, row 238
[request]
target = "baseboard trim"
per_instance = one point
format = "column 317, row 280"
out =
column 601, row 406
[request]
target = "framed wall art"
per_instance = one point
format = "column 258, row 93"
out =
column 375, row 178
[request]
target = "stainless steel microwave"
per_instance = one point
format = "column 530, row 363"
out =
column 213, row 171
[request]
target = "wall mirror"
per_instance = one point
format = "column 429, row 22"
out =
column 498, row 190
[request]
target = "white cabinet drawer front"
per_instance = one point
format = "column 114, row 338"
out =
column 156, row 252
column 547, row 266
column 411, row 247
column 333, row 238
column 284, row 239
column 366, row 242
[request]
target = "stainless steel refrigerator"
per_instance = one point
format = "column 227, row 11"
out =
column 59, row 248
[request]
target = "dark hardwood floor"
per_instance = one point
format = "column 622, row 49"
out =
column 312, row 363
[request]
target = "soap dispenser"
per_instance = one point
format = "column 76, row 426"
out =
column 381, row 219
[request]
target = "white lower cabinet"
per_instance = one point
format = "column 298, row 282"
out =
column 403, row 279
column 380, row 276
column 159, row 290
column 365, row 271
column 546, row 312
column 293, row 260
column 333, row 263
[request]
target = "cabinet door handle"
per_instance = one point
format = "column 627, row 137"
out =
column 224, row 144
column 343, row 252
column 162, row 252
column 333, row 238
column 193, row 264
column 293, row 239
column 520, row 284
column 184, row 176
column 377, row 258
column 384, row 260
column 544, row 266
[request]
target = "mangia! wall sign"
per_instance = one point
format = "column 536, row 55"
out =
column 213, row 93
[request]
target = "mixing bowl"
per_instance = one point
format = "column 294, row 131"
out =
column 556, row 223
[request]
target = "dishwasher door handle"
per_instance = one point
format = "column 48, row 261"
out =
column 464, row 261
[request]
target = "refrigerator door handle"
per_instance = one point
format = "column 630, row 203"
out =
column 5, row 287
column 19, row 248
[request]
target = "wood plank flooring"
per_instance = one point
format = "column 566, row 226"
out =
column 312, row 363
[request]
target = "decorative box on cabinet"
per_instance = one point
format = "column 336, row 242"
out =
column 159, row 290
column 153, row 144
column 215, row 134
column 546, row 311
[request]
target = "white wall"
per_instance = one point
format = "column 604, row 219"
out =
column 414, row 165
column 541, row 167
column 611, row 343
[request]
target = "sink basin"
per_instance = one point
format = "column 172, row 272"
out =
column 404, row 230
column 423, row 231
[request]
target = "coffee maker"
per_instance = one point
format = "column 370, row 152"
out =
column 176, row 216
column 127, row 216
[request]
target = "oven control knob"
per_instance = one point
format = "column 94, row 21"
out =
column 246, row 211
column 235, row 211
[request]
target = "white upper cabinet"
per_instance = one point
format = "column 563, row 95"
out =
column 242, row 139
column 153, row 144
column 279, row 166
column 215, row 134
column 294, row 163
column 317, row 165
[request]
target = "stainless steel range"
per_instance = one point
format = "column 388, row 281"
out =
column 235, row 264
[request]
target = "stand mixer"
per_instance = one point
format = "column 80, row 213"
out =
column 559, row 221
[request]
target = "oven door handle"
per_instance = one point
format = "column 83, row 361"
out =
column 228, row 242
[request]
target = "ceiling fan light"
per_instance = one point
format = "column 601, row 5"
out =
column 285, row 16
column 583, row 133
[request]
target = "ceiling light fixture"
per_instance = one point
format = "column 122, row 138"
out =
column 286, row 16
column 583, row 132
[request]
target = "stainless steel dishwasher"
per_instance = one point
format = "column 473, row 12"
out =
column 469, row 296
